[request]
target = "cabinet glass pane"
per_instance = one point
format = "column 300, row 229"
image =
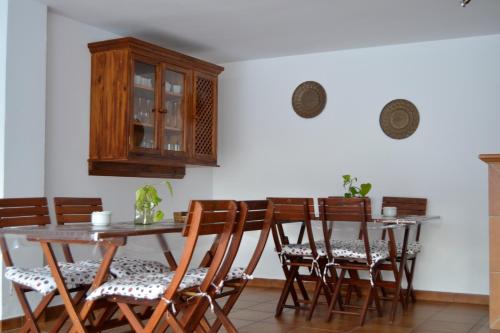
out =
column 144, row 104
column 173, row 131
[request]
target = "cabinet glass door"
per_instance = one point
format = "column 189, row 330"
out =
column 143, row 128
column 174, row 111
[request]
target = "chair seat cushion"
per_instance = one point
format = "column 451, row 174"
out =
column 303, row 250
column 412, row 249
column 141, row 286
column 199, row 273
column 41, row 280
column 79, row 273
column 125, row 266
column 355, row 249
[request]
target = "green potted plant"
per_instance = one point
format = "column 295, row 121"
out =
column 354, row 191
column 146, row 203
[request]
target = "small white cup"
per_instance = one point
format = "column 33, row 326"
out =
column 101, row 218
column 390, row 211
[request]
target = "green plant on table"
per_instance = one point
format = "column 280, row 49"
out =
column 354, row 191
column 146, row 203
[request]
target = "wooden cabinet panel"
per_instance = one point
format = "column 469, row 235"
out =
column 153, row 110
column 205, row 119
column 109, row 95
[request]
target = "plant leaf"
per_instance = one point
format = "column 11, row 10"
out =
column 169, row 186
column 354, row 191
column 158, row 216
column 364, row 189
column 347, row 195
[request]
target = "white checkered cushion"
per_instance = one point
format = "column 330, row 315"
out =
column 141, row 286
column 41, row 280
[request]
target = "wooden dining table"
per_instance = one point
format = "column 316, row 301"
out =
column 109, row 237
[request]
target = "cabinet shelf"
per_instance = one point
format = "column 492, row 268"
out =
column 143, row 87
column 136, row 123
column 171, row 94
column 173, row 129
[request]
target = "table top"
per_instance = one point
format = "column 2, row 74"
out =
column 407, row 219
column 90, row 233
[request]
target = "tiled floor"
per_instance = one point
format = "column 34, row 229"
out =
column 254, row 313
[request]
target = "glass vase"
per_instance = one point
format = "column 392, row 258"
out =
column 144, row 215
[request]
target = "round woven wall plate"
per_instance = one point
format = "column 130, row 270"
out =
column 309, row 99
column 399, row 119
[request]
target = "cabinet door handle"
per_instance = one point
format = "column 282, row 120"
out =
column 159, row 110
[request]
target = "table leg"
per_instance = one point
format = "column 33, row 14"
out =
column 399, row 278
column 166, row 252
column 100, row 278
column 61, row 287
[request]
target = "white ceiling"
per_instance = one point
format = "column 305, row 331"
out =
column 231, row 30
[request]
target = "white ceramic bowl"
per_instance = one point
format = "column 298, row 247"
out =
column 101, row 218
column 390, row 211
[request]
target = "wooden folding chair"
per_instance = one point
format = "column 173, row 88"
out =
column 408, row 206
column 252, row 216
column 166, row 292
column 293, row 256
column 32, row 212
column 356, row 255
column 79, row 210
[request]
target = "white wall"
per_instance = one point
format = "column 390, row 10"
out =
column 23, row 122
column 3, row 65
column 265, row 149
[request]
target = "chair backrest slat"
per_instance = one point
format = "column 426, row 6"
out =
column 343, row 209
column 213, row 218
column 76, row 210
column 292, row 210
column 406, row 206
column 23, row 212
column 16, row 212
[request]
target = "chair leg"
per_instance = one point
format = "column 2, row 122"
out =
column 63, row 317
column 378, row 305
column 364, row 308
column 410, row 293
column 31, row 322
column 228, row 325
column 336, row 295
column 315, row 299
column 38, row 311
column 228, row 306
column 204, row 325
column 295, row 298
column 286, row 290
column 354, row 275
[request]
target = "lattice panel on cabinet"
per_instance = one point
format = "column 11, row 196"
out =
column 204, row 117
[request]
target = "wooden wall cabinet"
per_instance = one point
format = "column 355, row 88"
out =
column 153, row 110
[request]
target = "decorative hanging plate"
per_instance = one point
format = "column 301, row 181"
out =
column 309, row 99
column 399, row 119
